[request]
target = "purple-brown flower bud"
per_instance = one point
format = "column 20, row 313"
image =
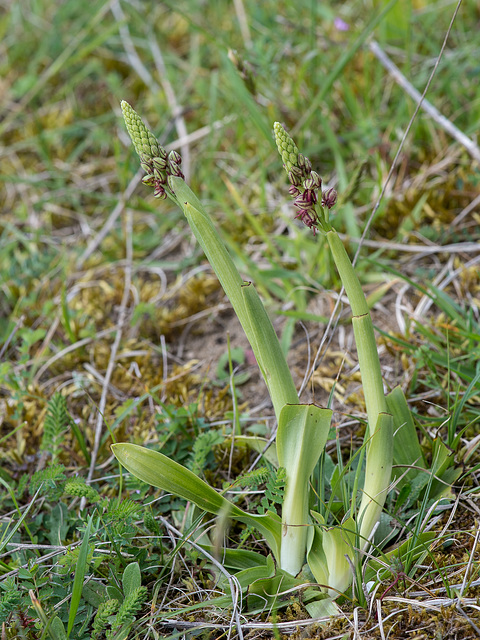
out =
column 174, row 170
column 149, row 180
column 159, row 191
column 306, row 200
column 174, row 157
column 317, row 181
column 160, row 163
column 294, row 178
column 146, row 166
column 160, row 176
column 329, row 198
column 307, row 219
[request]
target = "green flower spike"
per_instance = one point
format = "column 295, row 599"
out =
column 154, row 160
column 144, row 141
column 286, row 147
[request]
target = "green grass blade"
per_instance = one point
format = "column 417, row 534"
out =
column 342, row 61
column 79, row 576
column 8, row 536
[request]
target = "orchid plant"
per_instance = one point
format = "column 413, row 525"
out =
column 300, row 535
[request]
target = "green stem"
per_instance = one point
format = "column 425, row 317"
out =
column 269, row 354
column 380, row 431
column 368, row 359
column 244, row 300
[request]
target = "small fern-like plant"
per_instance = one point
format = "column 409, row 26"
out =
column 56, row 423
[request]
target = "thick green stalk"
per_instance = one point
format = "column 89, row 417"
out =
column 378, row 473
column 380, row 430
column 368, row 359
column 301, row 437
column 244, row 300
column 269, row 354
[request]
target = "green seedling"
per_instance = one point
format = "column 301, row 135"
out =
column 300, row 535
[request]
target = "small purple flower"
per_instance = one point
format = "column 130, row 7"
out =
column 306, row 200
column 307, row 219
column 341, row 25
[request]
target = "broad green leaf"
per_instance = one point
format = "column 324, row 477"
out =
column 94, row 593
column 114, row 593
column 412, row 551
column 406, row 447
column 238, row 559
column 246, row 577
column 132, row 578
column 56, row 630
column 185, row 195
column 156, row 469
column 442, row 470
column 301, row 437
column 323, row 608
column 268, row 593
column 327, row 554
column 316, row 558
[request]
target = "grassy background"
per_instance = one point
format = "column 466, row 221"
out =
column 106, row 300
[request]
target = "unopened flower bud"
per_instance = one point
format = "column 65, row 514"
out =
column 306, row 200
column 146, row 166
column 329, row 198
column 170, row 184
column 160, row 176
column 174, row 157
column 149, row 180
column 295, row 179
column 160, row 163
column 174, row 170
column 307, row 219
column 309, row 183
column 317, row 181
column 294, row 191
column 159, row 192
